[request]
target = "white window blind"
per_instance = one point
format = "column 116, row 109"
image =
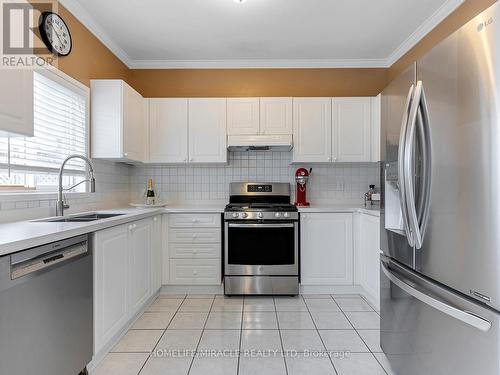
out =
column 60, row 129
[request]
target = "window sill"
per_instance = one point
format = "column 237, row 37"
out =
column 16, row 196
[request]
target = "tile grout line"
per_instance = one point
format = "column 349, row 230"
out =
column 317, row 331
column 202, row 333
column 163, row 334
column 279, row 333
column 241, row 337
column 355, row 329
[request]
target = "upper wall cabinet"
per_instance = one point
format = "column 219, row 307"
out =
column 207, row 130
column 168, row 130
column 118, row 127
column 16, row 102
column 312, row 129
column 259, row 116
column 376, row 127
column 242, row 116
column 276, row 116
column 351, row 132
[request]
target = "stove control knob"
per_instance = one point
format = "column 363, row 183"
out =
column 285, row 214
column 235, row 215
column 260, row 215
column 277, row 214
column 243, row 215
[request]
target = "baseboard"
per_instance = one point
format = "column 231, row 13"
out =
column 98, row 357
column 192, row 289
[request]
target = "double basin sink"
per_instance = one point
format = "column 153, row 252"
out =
column 78, row 218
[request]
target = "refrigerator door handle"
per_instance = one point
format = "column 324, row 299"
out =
column 408, row 160
column 401, row 167
column 464, row 316
column 425, row 140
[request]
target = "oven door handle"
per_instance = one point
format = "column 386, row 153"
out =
column 280, row 225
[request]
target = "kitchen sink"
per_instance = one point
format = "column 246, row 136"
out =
column 78, row 218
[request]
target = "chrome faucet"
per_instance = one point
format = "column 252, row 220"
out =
column 61, row 204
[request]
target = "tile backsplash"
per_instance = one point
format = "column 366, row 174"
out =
column 335, row 183
column 119, row 184
column 112, row 190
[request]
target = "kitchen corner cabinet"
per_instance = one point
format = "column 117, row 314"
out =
column 376, row 127
column 16, row 102
column 369, row 254
column 123, row 282
column 326, row 248
column 168, row 130
column 118, row 122
column 351, row 129
column 207, row 130
column 312, row 129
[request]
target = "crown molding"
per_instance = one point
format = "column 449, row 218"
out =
column 95, row 28
column 258, row 64
column 425, row 28
column 74, row 7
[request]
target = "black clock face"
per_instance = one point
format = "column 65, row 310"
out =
column 55, row 34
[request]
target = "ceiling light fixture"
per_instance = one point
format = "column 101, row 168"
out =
column 240, row 1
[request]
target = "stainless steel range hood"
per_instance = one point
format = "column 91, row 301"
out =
column 259, row 142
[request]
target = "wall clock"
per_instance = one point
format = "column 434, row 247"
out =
column 55, row 34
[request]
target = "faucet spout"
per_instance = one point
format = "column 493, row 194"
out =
column 60, row 204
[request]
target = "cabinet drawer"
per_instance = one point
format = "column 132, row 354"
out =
column 198, row 235
column 203, row 251
column 195, row 271
column 194, row 220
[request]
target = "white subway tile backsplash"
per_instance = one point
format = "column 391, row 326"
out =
column 337, row 183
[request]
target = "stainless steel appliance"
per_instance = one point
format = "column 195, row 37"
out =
column 46, row 319
column 440, row 219
column 261, row 240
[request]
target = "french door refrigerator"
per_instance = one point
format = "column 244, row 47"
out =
column 440, row 217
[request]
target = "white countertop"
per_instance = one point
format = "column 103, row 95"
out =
column 370, row 210
column 25, row 234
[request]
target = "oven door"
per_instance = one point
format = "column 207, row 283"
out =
column 255, row 248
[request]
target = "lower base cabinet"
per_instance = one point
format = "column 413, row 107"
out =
column 369, row 253
column 127, row 272
column 326, row 248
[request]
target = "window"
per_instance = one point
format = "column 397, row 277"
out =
column 60, row 129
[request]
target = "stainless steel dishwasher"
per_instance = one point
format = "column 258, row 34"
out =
column 46, row 318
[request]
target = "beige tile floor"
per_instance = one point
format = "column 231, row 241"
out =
column 217, row 335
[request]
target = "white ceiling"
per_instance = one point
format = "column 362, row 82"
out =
column 260, row 33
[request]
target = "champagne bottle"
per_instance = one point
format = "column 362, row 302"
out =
column 150, row 194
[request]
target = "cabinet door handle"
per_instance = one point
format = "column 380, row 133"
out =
column 191, row 159
column 155, row 219
column 130, row 227
column 194, row 220
column 334, row 159
column 329, row 159
column 304, row 217
column 125, row 154
column 195, row 272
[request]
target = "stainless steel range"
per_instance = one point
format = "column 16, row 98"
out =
column 261, row 240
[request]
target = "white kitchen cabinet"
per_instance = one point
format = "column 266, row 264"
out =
column 351, row 129
column 140, row 245
column 369, row 253
column 242, row 116
column 16, row 102
column 156, row 254
column 194, row 249
column 312, row 129
column 276, row 116
column 118, row 127
column 207, row 130
column 326, row 248
column 111, row 311
column 124, row 276
column 376, row 127
column 168, row 130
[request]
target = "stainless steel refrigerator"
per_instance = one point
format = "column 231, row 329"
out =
column 440, row 219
